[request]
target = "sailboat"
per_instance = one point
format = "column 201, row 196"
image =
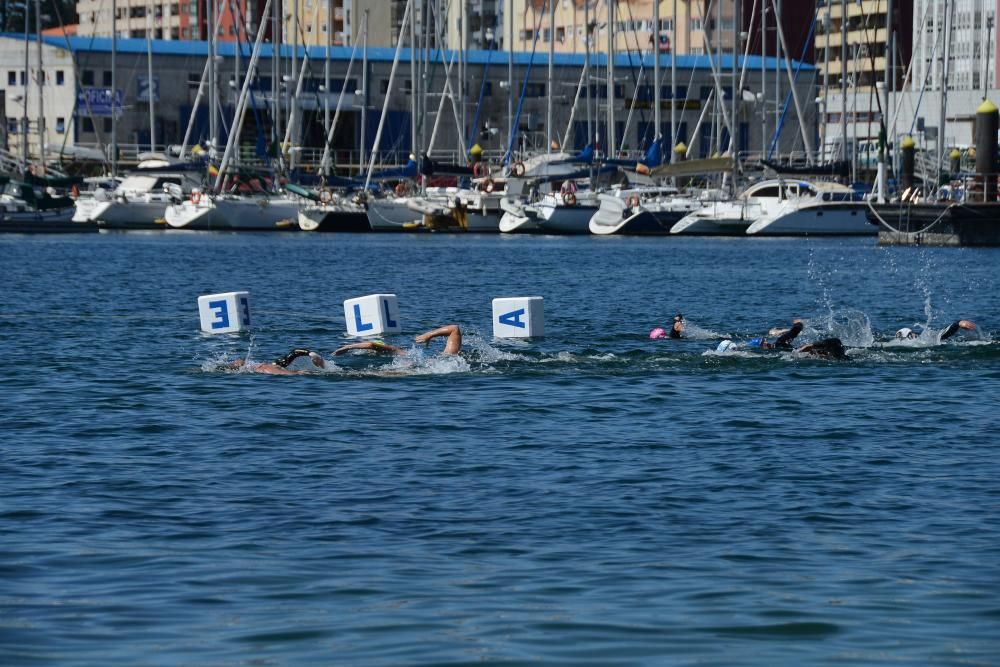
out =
column 243, row 200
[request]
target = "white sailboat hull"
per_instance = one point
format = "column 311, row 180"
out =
column 841, row 219
column 235, row 214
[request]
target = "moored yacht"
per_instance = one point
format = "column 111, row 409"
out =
column 819, row 208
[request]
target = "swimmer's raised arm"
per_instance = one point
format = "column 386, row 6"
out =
column 954, row 327
column 374, row 345
column 454, row 343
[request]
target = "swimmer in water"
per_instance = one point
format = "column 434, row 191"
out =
column 279, row 366
column 675, row 331
column 452, row 346
column 906, row 333
column 753, row 344
column 831, row 348
column 786, row 337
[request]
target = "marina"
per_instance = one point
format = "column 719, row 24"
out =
column 411, row 332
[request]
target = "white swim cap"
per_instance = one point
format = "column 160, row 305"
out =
column 725, row 346
column 905, row 332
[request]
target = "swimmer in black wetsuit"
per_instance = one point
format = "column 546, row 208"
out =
column 678, row 327
column 279, row 366
column 786, row 338
column 955, row 327
column 832, row 348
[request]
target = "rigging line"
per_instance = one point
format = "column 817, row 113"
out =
column 788, row 96
column 524, row 88
column 482, row 86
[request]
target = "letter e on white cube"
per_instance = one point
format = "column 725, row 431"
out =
column 519, row 317
column 228, row 312
column 372, row 315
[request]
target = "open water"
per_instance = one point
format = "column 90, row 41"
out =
column 591, row 498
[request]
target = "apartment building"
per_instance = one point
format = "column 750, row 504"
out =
column 972, row 48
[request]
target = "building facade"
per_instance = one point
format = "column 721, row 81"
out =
column 79, row 102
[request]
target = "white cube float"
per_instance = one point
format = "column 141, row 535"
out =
column 519, row 317
column 228, row 312
column 372, row 315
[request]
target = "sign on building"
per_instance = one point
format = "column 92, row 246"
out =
column 98, row 101
column 143, row 88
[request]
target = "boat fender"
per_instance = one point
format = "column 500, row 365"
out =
column 518, row 168
column 74, row 192
column 488, row 185
column 569, row 199
column 325, row 196
column 195, row 197
column 480, row 170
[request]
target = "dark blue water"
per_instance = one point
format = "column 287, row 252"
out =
column 595, row 497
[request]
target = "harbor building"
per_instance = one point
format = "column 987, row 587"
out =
column 79, row 103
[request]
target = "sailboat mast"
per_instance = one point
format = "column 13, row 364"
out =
column 510, row 68
column 41, row 85
column 843, row 82
column 610, row 132
column 149, row 77
column 463, row 35
column 326, row 85
column 414, row 54
column 945, row 71
column 213, row 92
column 364, row 90
column 114, row 87
column 673, row 83
column 548, row 86
column 656, row 74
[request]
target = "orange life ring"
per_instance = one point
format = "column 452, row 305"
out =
column 325, row 196
column 195, row 197
column 400, row 189
column 488, row 185
column 569, row 199
column 633, row 201
column 518, row 168
column 480, row 169
column 74, row 191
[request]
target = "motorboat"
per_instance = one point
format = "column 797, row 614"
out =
column 816, row 208
column 734, row 217
column 31, row 209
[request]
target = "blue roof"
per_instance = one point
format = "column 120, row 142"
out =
column 385, row 54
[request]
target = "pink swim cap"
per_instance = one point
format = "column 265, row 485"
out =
column 658, row 332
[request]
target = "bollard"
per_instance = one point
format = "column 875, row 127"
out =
column 228, row 312
column 906, row 148
column 519, row 317
column 955, row 160
column 372, row 315
column 987, row 121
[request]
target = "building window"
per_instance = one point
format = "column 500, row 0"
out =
column 88, row 125
column 60, row 77
column 21, row 76
column 11, row 126
column 384, row 86
column 107, row 78
column 107, row 124
column 60, row 125
column 11, row 78
column 534, row 90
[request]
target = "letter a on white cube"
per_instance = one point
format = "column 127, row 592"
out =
column 372, row 315
column 224, row 313
column 519, row 317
